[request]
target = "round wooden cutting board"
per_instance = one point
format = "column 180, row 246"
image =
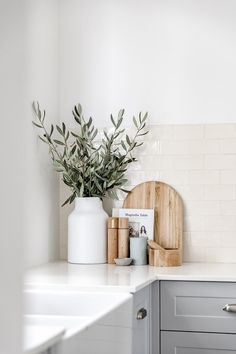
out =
column 168, row 211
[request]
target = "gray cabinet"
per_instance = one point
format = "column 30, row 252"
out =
column 197, row 343
column 192, row 320
column 155, row 318
column 197, row 306
column 141, row 322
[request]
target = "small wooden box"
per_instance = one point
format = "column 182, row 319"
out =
column 165, row 258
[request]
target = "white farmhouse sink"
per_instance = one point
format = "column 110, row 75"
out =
column 71, row 310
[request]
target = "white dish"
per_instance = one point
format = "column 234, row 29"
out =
column 123, row 261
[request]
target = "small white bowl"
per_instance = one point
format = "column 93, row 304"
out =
column 123, row 261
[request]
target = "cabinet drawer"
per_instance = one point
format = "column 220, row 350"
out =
column 197, row 306
column 197, row 343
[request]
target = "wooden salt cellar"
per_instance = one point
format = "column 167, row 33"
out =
column 112, row 240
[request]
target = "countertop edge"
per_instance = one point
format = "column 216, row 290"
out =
column 107, row 278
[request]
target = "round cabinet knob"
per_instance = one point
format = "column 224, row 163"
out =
column 141, row 314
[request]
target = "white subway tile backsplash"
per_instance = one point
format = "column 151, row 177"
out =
column 203, row 207
column 188, row 131
column 228, row 239
column 194, row 223
column 228, row 207
column 137, row 177
column 161, row 132
column 199, row 161
column 204, row 177
column 220, row 131
column 228, row 177
column 220, row 161
column 189, row 147
column 204, row 146
column 150, row 148
column 224, row 223
column 221, row 255
column 146, row 163
column 174, row 177
column 206, row 239
column 219, row 192
column 154, row 162
column 190, row 162
column 174, row 147
column 164, row 162
column 194, row 254
column 188, row 193
column 228, row 146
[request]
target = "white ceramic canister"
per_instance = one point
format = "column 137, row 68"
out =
column 87, row 232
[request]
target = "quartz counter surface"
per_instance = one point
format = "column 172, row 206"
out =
column 106, row 277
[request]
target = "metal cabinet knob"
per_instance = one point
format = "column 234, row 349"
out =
column 141, row 314
column 230, row 308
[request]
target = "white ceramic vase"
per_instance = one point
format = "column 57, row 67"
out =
column 87, row 232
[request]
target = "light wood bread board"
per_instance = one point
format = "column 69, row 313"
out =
column 168, row 214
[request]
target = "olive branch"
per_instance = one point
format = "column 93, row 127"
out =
column 90, row 169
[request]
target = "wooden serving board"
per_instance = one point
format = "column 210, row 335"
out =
column 168, row 212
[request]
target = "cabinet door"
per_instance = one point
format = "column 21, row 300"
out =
column 197, row 306
column 155, row 319
column 141, row 327
column 197, row 343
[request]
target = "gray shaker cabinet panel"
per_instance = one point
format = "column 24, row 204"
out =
column 197, row 306
column 141, row 327
column 197, row 343
column 155, row 319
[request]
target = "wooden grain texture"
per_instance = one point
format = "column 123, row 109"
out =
column 168, row 215
column 112, row 245
column 165, row 258
column 123, row 243
column 154, row 245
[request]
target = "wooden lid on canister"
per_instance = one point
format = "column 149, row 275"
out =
column 123, row 223
column 112, row 223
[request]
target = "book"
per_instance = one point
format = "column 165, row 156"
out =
column 141, row 221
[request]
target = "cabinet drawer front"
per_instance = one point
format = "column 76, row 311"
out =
column 197, row 343
column 197, row 306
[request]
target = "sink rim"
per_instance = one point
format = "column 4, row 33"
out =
column 117, row 299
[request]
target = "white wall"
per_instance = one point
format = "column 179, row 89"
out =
column 12, row 71
column 42, row 234
column 175, row 59
column 29, row 211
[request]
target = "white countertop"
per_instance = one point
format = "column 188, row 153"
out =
column 106, row 277
column 109, row 278
column 40, row 338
